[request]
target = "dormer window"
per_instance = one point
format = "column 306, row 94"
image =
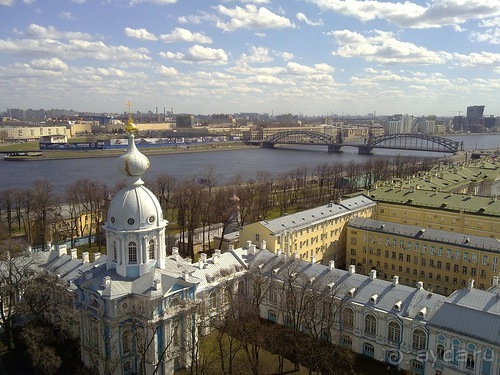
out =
column 422, row 313
column 351, row 291
column 397, row 306
column 374, row 298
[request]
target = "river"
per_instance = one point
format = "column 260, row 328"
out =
column 246, row 163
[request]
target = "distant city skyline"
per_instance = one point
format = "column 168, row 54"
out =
column 310, row 57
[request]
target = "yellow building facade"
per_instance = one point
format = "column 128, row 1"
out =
column 443, row 260
column 460, row 213
column 317, row 234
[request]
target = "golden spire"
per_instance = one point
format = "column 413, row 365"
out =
column 131, row 127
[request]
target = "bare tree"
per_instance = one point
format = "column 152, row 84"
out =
column 42, row 199
column 163, row 186
column 16, row 268
column 188, row 201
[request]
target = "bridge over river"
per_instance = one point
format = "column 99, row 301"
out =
column 406, row 141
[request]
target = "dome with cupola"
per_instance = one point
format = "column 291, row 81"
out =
column 135, row 228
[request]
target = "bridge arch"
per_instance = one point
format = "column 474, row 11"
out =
column 413, row 138
column 323, row 138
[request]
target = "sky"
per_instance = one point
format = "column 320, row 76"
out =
column 304, row 57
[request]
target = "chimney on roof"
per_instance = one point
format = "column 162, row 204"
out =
column 61, row 250
column 231, row 247
column 295, row 255
column 175, row 252
column 251, row 249
column 216, row 256
column 203, row 257
column 74, row 253
column 352, row 269
column 373, row 275
column 249, row 243
column 470, row 284
column 85, row 257
column 420, row 285
column 263, row 244
column 185, row 275
column 106, row 281
column 156, row 284
column 395, row 280
column 331, row 264
column 96, row 256
column 313, row 259
column 278, row 252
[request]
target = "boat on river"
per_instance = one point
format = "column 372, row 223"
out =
column 22, row 155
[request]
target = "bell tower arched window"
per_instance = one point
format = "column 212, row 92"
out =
column 132, row 252
column 151, row 249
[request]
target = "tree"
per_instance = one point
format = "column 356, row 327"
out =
column 163, row 186
column 16, row 268
column 188, row 199
column 42, row 199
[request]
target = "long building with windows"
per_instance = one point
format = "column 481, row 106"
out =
column 317, row 233
column 444, row 260
column 461, row 213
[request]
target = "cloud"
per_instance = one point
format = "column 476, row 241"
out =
column 435, row 14
column 198, row 54
column 303, row 18
column 7, row 3
column 53, row 64
column 168, row 71
column 183, row 35
column 491, row 33
column 482, row 59
column 141, row 34
column 286, row 55
column 383, row 48
column 257, row 55
column 297, row 69
column 35, row 31
column 66, row 16
column 74, row 49
column 252, row 18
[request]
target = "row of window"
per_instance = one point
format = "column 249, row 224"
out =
column 430, row 217
column 419, row 336
column 132, row 251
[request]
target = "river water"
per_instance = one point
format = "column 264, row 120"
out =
column 246, row 163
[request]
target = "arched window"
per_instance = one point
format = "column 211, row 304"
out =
column 469, row 364
column 115, row 253
column 132, row 252
column 440, row 352
column 348, row 318
column 271, row 315
column 175, row 334
column 273, row 295
column 346, row 341
column 368, row 349
column 370, row 324
column 419, row 339
column 394, row 332
column 151, row 249
column 126, row 342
